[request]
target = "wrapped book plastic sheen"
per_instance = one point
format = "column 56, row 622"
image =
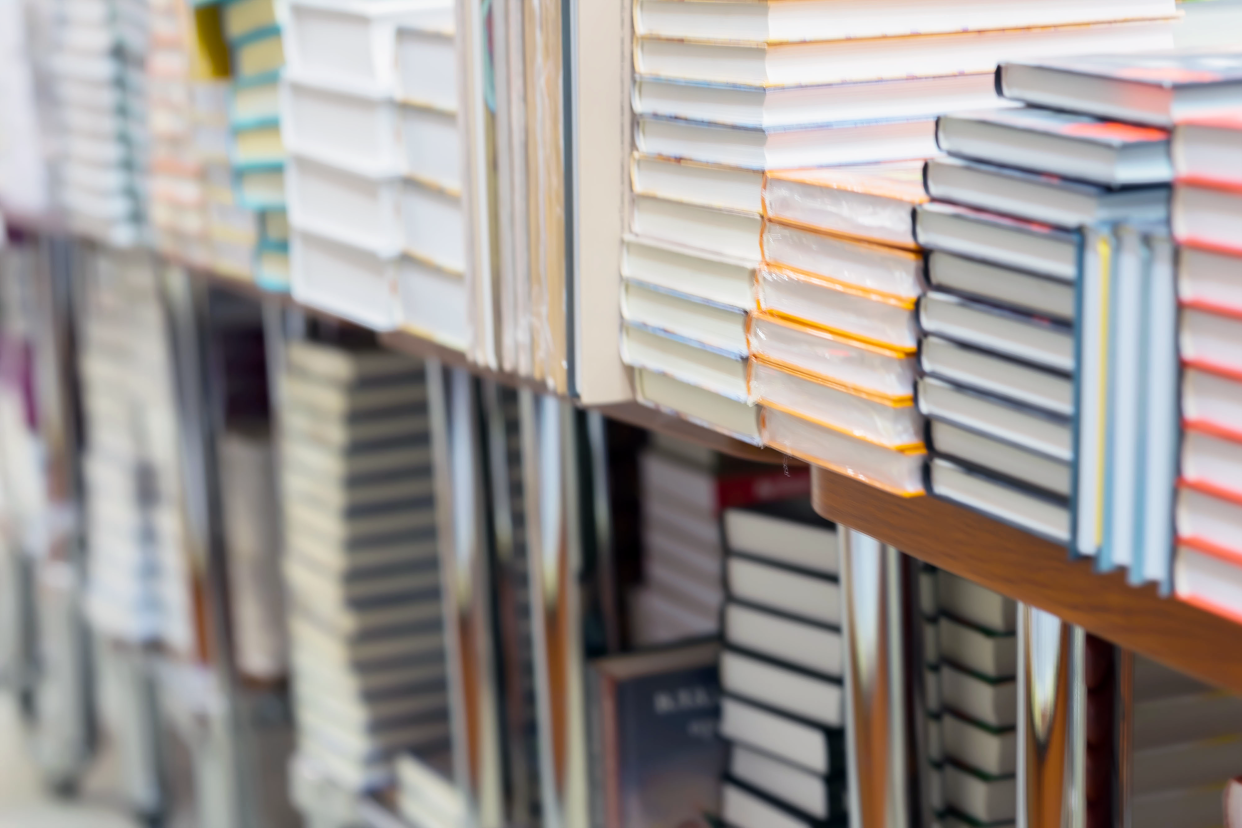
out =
column 880, row 371
column 872, row 201
column 892, row 425
column 874, row 267
column 877, row 318
column 898, row 472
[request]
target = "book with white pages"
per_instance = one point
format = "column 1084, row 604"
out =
column 1031, row 339
column 983, row 370
column 1208, row 278
column 785, row 532
column 711, row 185
column 1075, row 146
column 783, row 639
column 799, row 594
column 973, row 449
column 1027, row 509
column 712, row 369
column 804, row 744
column 1002, row 240
column 357, row 210
column 427, row 63
column 883, row 371
column 433, row 302
column 1208, row 580
column 999, row 285
column 986, row 652
column 979, row 797
column 763, row 149
column 775, row 22
column 993, row 702
column 731, row 233
column 697, row 405
column 782, row 107
column 878, row 268
column 718, row 278
column 790, row 784
column 1041, row 197
column 993, row 751
column 804, row 60
column 341, row 122
column 682, row 315
column 1211, row 399
column 785, row 689
column 1209, row 519
column 878, row 319
column 431, row 140
column 435, row 227
column 972, row 602
column 1029, row 428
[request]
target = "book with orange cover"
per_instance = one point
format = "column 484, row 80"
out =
column 873, row 202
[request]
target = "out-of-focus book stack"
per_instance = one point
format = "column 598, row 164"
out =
column 722, row 97
column 973, row 701
column 426, row 796
column 140, row 586
column 185, row 52
column 683, row 493
column 252, row 29
column 1185, row 745
column 1207, row 208
column 360, row 564
column 832, row 346
column 98, row 125
column 781, row 669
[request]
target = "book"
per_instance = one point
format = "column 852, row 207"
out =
column 991, row 702
column 782, row 342
column 711, row 369
column 258, row 53
column 1009, row 242
column 1204, row 214
column 811, row 794
column 1212, row 460
column 345, row 207
column 803, row 60
column 711, row 276
column 804, row 744
column 783, row 639
column 884, row 422
column 735, row 419
column 433, row 302
column 1212, row 400
column 427, row 63
column 755, row 105
column 351, row 282
column 785, row 532
column 1205, row 150
column 983, row 797
column 687, row 317
column 782, row 688
column 432, row 147
column 1028, row 428
column 1040, row 197
column 879, row 268
column 871, row 202
column 981, row 370
column 744, row 806
column 774, row 22
column 729, row 233
column 1036, row 512
column 655, row 754
column 1156, row 89
column 711, row 185
column 876, row 319
column 980, row 650
column 239, row 18
column 990, row 750
column 1204, row 279
column 1016, row 289
column 1208, row 518
column 1233, row 803
column 762, row 149
column 898, row 472
column 1038, row 341
column 976, row 604
column 1074, row 146
column 705, row 492
column 972, row 450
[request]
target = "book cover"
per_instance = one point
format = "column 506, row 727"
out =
column 1167, row 71
column 1061, row 124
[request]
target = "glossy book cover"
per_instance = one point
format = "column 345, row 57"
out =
column 1060, row 124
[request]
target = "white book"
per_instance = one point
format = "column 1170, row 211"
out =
column 351, row 282
column 693, row 363
column 435, row 225
column 730, row 417
column 351, row 127
column 357, row 210
column 427, row 64
column 434, row 302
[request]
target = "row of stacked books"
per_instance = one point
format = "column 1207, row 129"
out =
column 374, row 183
column 1207, row 206
column 829, row 258
column 360, row 562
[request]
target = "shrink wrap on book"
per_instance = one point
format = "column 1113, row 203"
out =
column 872, row 267
column 876, row 318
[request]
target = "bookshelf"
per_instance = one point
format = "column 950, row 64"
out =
column 1038, row 572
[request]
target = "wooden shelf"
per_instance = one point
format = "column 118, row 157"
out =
column 1039, row 573
column 637, row 414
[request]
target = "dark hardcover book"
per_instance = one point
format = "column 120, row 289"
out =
column 1000, row 498
column 1160, row 89
column 656, row 756
column 1079, row 147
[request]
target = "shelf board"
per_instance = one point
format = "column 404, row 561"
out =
column 637, row 414
column 1039, row 573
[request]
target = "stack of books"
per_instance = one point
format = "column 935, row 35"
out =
column 139, row 577
column 1207, row 200
column 1185, row 745
column 426, row 796
column 1022, row 241
column 833, row 344
column 721, row 98
column 683, row 493
column 352, row 211
column 96, row 82
column 360, row 564
column 782, row 711
column 977, row 738
column 257, row 154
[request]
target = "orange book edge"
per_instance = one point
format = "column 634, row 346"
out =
column 844, row 338
column 841, row 287
column 903, row 401
column 1212, row 368
column 1214, row 308
column 1231, row 496
column 1233, row 435
column 1208, row 246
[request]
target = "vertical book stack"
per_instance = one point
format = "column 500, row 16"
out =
column 352, row 209
column 725, row 93
column 978, row 703
column 360, row 564
column 1207, row 211
column 782, row 712
column 252, row 29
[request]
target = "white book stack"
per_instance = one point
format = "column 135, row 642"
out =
column 360, row 566
column 725, row 92
column 363, row 183
column 138, row 573
column 96, row 75
column 232, row 228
